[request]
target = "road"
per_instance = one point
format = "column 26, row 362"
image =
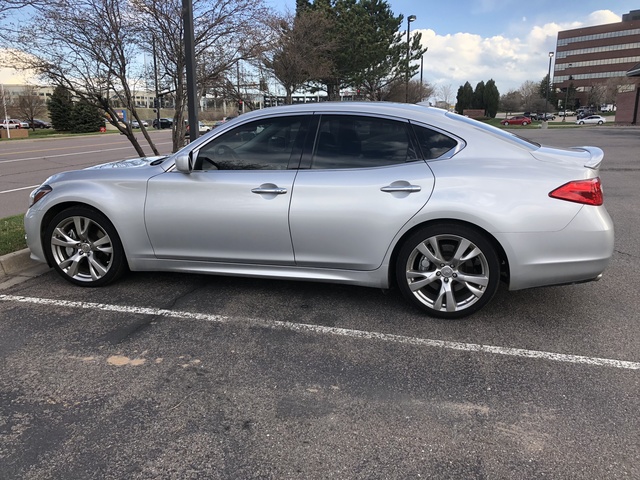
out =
column 25, row 164
column 190, row 376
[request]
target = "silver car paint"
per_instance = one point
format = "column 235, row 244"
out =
column 499, row 186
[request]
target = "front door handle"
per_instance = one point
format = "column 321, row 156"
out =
column 401, row 188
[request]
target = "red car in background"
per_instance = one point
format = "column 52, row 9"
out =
column 517, row 120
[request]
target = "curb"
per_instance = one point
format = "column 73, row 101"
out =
column 18, row 267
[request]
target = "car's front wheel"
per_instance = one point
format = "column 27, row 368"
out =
column 525, row 123
column 506, row 123
column 84, row 247
column 448, row 270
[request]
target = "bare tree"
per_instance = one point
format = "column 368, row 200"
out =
column 298, row 50
column 445, row 94
column 226, row 31
column 417, row 92
column 531, row 99
column 30, row 105
column 88, row 47
column 511, row 102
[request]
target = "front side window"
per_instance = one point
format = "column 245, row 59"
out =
column 349, row 141
column 267, row 144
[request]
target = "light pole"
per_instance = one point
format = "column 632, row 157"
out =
column 410, row 18
column 546, row 106
column 566, row 96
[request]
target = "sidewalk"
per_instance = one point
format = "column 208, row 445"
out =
column 17, row 267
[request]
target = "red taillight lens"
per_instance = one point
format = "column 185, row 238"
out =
column 588, row 192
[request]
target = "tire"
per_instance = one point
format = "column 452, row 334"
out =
column 524, row 124
column 84, row 247
column 443, row 280
column 600, row 122
column 580, row 123
column 506, row 123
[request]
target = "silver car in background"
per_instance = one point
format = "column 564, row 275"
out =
column 373, row 194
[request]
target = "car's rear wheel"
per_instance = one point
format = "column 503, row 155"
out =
column 84, row 247
column 448, row 270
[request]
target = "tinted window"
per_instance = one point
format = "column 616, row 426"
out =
column 346, row 141
column 432, row 143
column 266, row 144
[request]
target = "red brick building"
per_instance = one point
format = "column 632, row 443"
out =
column 600, row 62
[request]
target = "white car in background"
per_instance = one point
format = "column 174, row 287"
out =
column 592, row 119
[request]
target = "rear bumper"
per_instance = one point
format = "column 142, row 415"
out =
column 578, row 253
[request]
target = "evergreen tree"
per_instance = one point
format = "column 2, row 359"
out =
column 86, row 118
column 464, row 98
column 478, row 97
column 60, row 107
column 491, row 98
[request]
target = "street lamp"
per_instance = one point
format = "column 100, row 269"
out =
column 566, row 96
column 410, row 18
column 546, row 106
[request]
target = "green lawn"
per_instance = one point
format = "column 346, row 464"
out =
column 12, row 234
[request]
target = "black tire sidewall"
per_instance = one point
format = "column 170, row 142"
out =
column 118, row 261
column 477, row 238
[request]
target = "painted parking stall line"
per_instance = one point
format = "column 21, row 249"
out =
column 341, row 332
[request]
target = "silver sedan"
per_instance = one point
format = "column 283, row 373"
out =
column 372, row 194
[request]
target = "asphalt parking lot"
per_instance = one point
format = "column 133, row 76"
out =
column 191, row 377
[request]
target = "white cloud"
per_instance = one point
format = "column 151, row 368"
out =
column 510, row 61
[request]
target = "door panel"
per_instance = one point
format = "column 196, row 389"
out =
column 344, row 219
column 215, row 216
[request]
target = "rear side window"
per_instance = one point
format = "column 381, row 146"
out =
column 350, row 141
column 433, row 144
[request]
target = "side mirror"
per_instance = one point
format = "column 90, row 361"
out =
column 184, row 163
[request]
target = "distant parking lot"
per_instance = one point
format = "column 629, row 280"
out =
column 189, row 376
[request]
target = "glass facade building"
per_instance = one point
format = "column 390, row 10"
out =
column 598, row 59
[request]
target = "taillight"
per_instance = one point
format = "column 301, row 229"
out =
column 588, row 192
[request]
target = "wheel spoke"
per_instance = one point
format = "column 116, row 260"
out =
column 96, row 268
column 81, row 229
column 427, row 278
column 102, row 245
column 445, row 296
column 467, row 279
column 61, row 239
column 72, row 264
column 435, row 258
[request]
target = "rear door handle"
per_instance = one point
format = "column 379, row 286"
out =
column 269, row 191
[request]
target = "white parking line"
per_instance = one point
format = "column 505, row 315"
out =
column 342, row 332
column 18, row 189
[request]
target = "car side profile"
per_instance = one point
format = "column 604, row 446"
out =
column 374, row 194
column 591, row 120
column 517, row 120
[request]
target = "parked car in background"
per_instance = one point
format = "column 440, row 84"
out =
column 592, row 119
column 136, row 124
column 164, row 123
column 39, row 124
column 585, row 112
column 517, row 120
column 444, row 207
column 567, row 113
column 546, row 116
column 202, row 128
column 12, row 123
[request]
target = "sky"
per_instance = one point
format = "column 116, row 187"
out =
column 477, row 40
column 505, row 40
